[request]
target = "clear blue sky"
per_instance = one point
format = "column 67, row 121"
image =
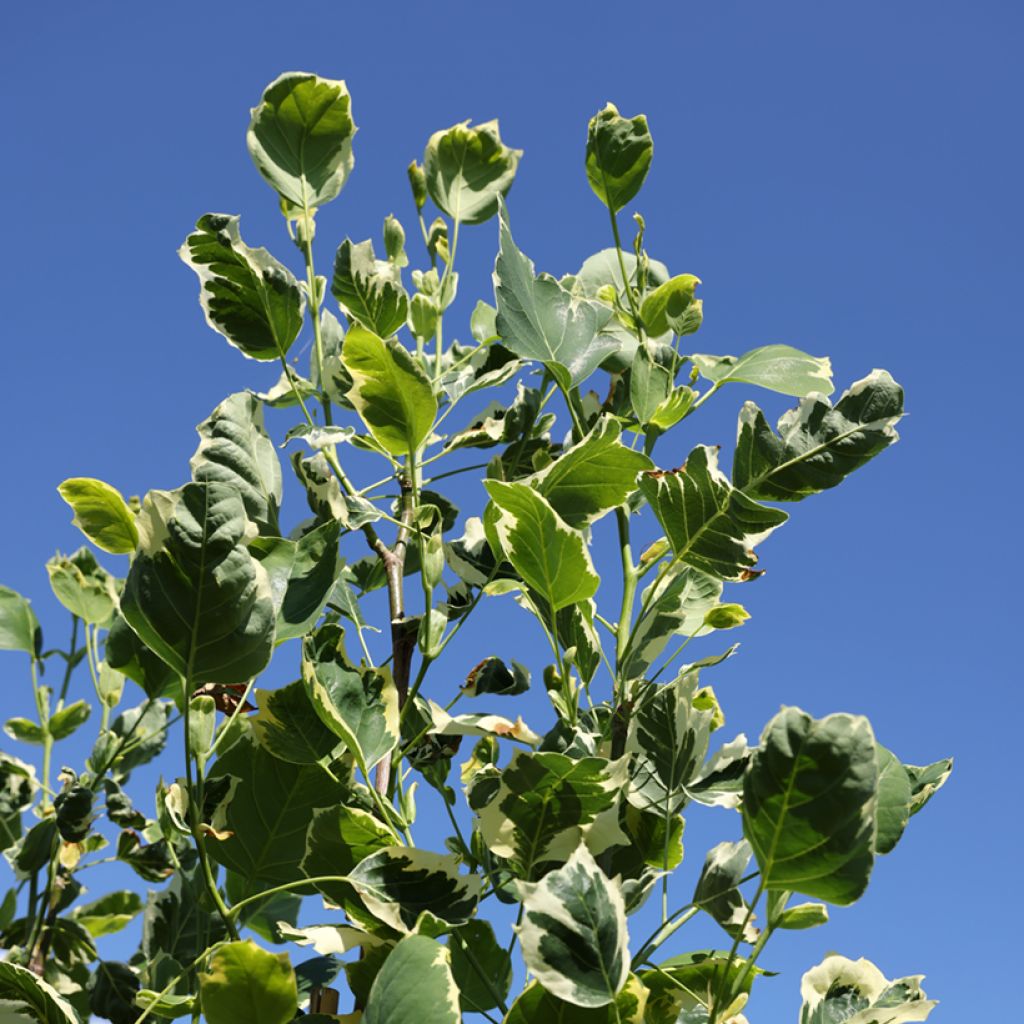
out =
column 843, row 177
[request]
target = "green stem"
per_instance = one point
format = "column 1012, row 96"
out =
column 194, row 783
column 725, row 995
column 70, row 666
column 442, row 297
column 42, row 698
column 625, row 277
column 629, row 580
column 286, row 887
column 314, row 309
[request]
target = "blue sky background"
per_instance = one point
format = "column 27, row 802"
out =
column 843, row 177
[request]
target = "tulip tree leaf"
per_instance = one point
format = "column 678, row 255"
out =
column 234, row 449
column 666, row 307
column 544, row 805
column 19, row 627
column 711, row 525
column 398, row 883
column 619, row 152
column 779, row 368
column 592, row 477
column 467, row 169
column 195, row 594
column 109, row 913
column 415, row 984
column 303, row 575
column 300, row 138
column 247, row 984
column 390, row 392
column 573, row 934
column 27, row 997
column 689, row 981
column 289, row 727
column 101, row 514
column 482, row 969
column 817, row 446
column 842, row 991
column 369, row 290
column 549, row 555
column 675, row 603
column 360, row 706
column 926, row 781
column 718, row 890
column 809, row 798
column 892, row 811
column 267, row 812
column 535, row 1004
column 540, row 319
column 247, row 296
column 83, row 586
column 670, row 733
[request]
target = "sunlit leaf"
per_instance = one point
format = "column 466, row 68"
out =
column 101, row 514
column 247, row 985
column 619, row 152
column 842, row 991
column 776, row 367
column 415, row 984
column 369, row 290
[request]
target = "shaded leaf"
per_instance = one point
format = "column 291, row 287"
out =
column 414, row 984
column 19, row 627
column 193, row 562
column 573, row 932
column 234, row 449
column 619, row 152
column 83, row 586
column 247, row 296
column 481, row 968
column 22, row 991
column 535, row 1005
column 710, row 525
column 817, row 446
column 809, row 804
column 109, row 913
column 718, row 890
column 289, row 727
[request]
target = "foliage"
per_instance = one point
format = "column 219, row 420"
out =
column 309, row 789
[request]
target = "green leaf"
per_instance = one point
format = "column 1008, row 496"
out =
column 842, row 991
column 467, row 169
column 369, row 290
column 809, row 805
column 803, row 916
column 619, row 152
column 390, row 392
column 175, row 922
column 247, row 296
column 234, row 449
column 109, row 913
column 338, row 839
column 926, row 781
column 194, row 594
column 83, row 586
column 711, row 525
column 549, row 555
column 492, row 676
column 267, row 810
column 19, row 627
column 650, row 384
column 592, row 477
column 670, row 733
column 540, row 319
column 718, row 891
column 775, row 367
column 415, row 984
column 289, row 727
column 112, row 993
column 64, row 722
column 536, row 1005
column 687, row 982
column 303, row 575
column 300, row 138
column 247, row 985
column 892, row 811
column 481, row 968
column 399, row 883
column 23, row 992
column 573, row 934
column 18, row 788
column 24, row 730
column 546, row 804
column 101, row 514
column 360, row 706
column 673, row 605
column 665, row 309
column 817, row 446
column 126, row 653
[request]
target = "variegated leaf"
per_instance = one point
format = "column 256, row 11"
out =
column 842, row 991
